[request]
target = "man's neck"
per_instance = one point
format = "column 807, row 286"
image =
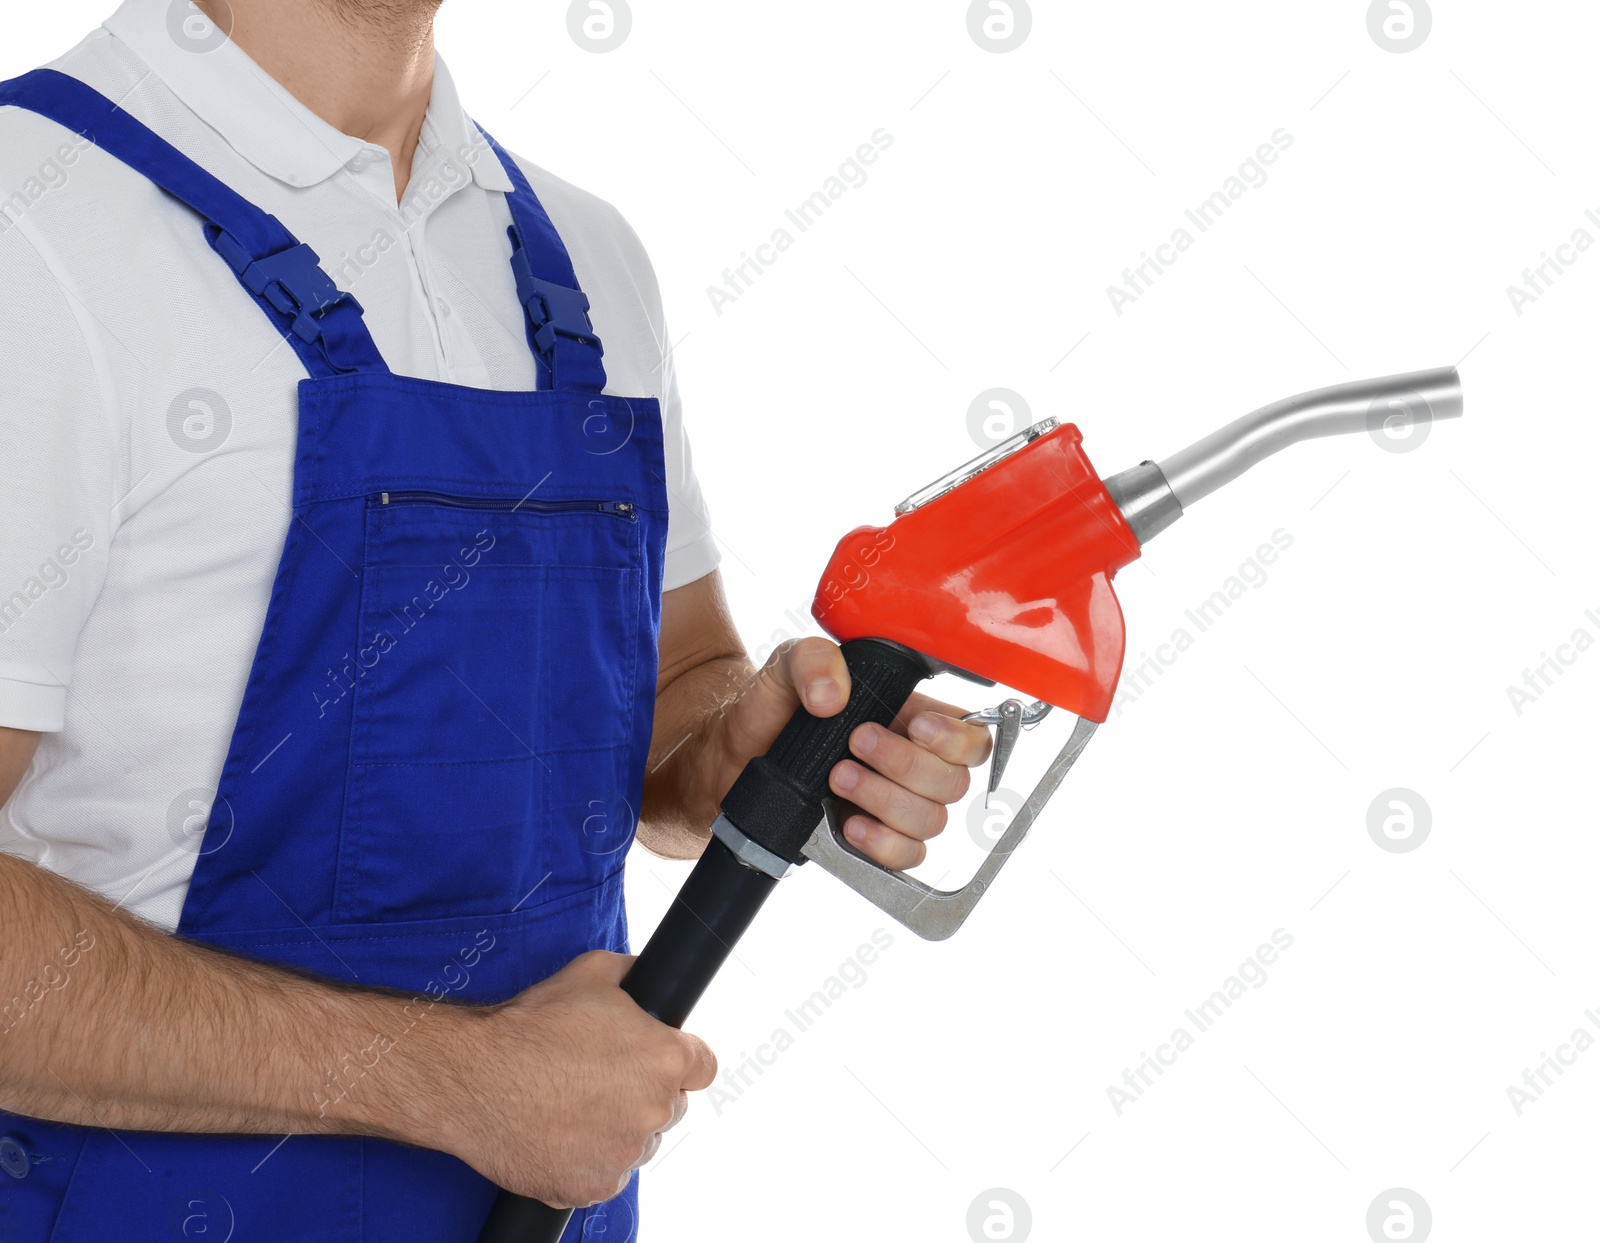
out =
column 363, row 66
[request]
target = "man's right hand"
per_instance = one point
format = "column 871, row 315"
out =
column 570, row 1085
column 558, row 1093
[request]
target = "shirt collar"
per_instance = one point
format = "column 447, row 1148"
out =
column 263, row 122
column 449, row 134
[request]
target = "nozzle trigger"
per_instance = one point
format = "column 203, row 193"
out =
column 1009, row 719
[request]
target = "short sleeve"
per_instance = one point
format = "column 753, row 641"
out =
column 692, row 551
column 56, row 497
column 691, row 548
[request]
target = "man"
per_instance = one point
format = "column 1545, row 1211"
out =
column 349, row 621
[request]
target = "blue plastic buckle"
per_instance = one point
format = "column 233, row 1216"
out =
column 292, row 282
column 554, row 310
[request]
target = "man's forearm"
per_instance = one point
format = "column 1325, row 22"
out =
column 107, row 1021
column 684, row 782
column 703, row 671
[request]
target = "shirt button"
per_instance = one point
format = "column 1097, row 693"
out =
column 444, row 308
column 13, row 1160
column 358, row 164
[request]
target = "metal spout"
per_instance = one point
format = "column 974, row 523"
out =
column 1153, row 496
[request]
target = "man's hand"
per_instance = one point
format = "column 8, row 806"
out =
column 901, row 780
column 715, row 713
column 573, row 1085
column 557, row 1093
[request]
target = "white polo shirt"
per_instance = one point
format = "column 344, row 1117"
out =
column 146, row 445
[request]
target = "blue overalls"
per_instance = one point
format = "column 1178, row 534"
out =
column 439, row 758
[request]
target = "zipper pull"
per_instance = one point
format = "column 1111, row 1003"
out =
column 623, row 509
column 383, row 498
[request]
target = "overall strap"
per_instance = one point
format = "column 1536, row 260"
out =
column 322, row 323
column 563, row 340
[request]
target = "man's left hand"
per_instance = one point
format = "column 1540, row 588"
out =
column 900, row 781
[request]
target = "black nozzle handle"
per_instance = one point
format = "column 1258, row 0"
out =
column 515, row 1219
column 677, row 964
column 777, row 801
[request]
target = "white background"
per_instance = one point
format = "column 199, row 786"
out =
column 1231, row 799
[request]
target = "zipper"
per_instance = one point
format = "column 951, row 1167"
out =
column 616, row 509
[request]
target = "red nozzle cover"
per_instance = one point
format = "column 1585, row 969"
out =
column 1007, row 576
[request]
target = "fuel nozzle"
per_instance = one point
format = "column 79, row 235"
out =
column 1152, row 496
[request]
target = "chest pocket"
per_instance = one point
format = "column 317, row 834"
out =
column 495, row 690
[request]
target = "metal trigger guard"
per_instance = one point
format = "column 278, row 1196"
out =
column 936, row 914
